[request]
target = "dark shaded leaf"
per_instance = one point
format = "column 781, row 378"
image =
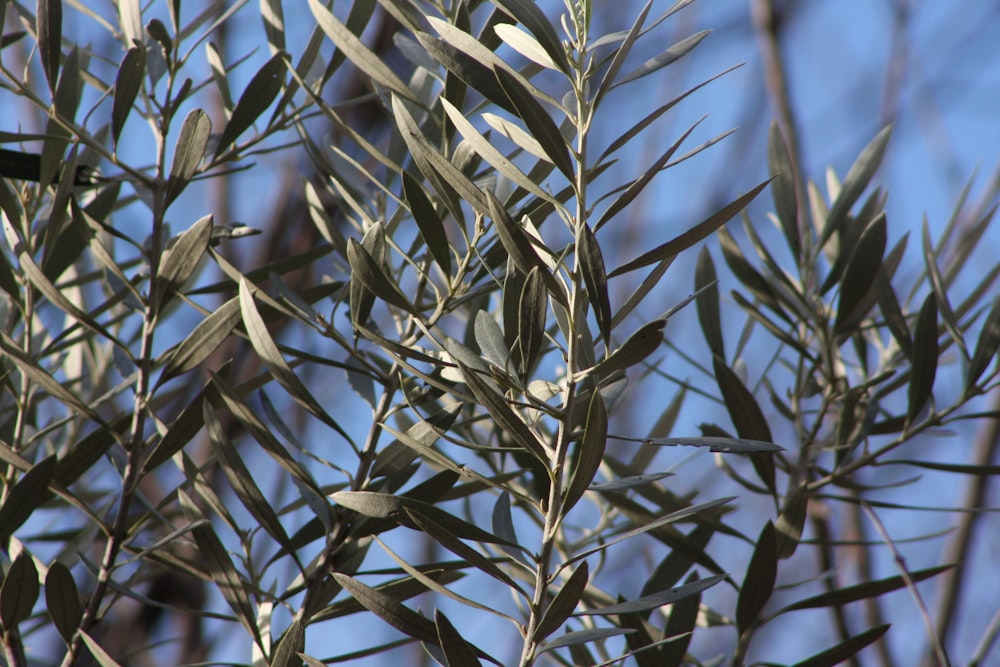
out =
column 641, row 344
column 683, row 616
column 256, row 98
column 925, row 359
column 389, row 609
column 48, row 27
column 655, row 600
column 840, row 653
column 788, row 529
column 428, row 222
column 370, row 274
column 293, row 642
column 864, row 590
column 188, row 152
column 941, row 293
column 503, row 526
column 203, row 340
column 62, row 599
column 26, row 495
column 127, row 85
column 516, row 242
column 893, row 314
column 700, row 231
column 590, row 452
column 19, row 591
column 758, row 584
column 457, row 651
column 532, row 309
column 986, row 348
column 707, row 302
column 539, row 123
column 747, row 417
column 858, row 284
column 563, row 603
column 596, row 279
column 181, row 259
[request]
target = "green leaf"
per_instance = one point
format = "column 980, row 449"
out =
column 531, row 17
column 857, row 179
column 457, row 651
column 532, row 309
column 925, row 359
column 644, row 342
column 62, row 599
column 203, row 340
column 758, row 584
column 521, row 252
column 539, row 123
column 583, row 637
column 986, row 348
column 621, row 53
column 672, row 54
column 647, row 602
column 188, row 152
column 788, row 529
column 181, row 259
column 127, row 85
column 502, row 523
column 846, row 649
column 370, row 273
column 26, row 495
column 389, row 609
column 707, row 302
column 783, row 187
column 747, row 417
column 590, row 452
column 595, row 277
column 428, row 222
column 864, row 590
column 941, row 293
column 563, row 603
column 48, row 27
column 293, row 642
column 700, row 231
column 256, row 98
column 19, row 591
column 363, row 58
column 858, row 284
column 680, row 624
column 102, row 657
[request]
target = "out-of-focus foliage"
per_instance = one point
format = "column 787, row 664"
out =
column 464, row 292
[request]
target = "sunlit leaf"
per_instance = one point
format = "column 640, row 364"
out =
column 672, row 54
column 589, row 452
column 189, row 151
column 389, row 609
column 531, row 17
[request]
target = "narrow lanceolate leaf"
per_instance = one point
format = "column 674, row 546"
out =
column 188, row 152
column 524, row 44
column 583, row 637
column 363, row 58
column 672, row 54
column 100, row 655
column 490, row 339
column 893, row 314
column 531, row 17
column 925, row 359
column 127, row 86
column 62, row 599
column 846, row 649
column 683, row 617
column 25, row 497
column 365, row 269
column 857, row 179
column 690, row 237
column 242, row 481
column 595, row 277
column 428, row 222
column 216, row 560
column 203, row 340
column 260, row 92
column 758, row 584
column 181, row 259
column 647, row 602
column 48, row 26
column 532, row 309
column 517, row 245
column 783, row 187
column 268, row 350
column 639, row 345
column 707, row 303
column 590, row 452
column 788, row 529
column 863, row 591
column 857, row 286
column 273, row 16
column 457, row 651
column 19, row 591
column 747, row 417
column 505, row 417
column 621, row 53
column 564, row 603
column 502, row 522
column 716, row 444
column 286, row 653
column 539, row 123
column 948, row 318
column 389, row 609
column 986, row 348
column 468, row 60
